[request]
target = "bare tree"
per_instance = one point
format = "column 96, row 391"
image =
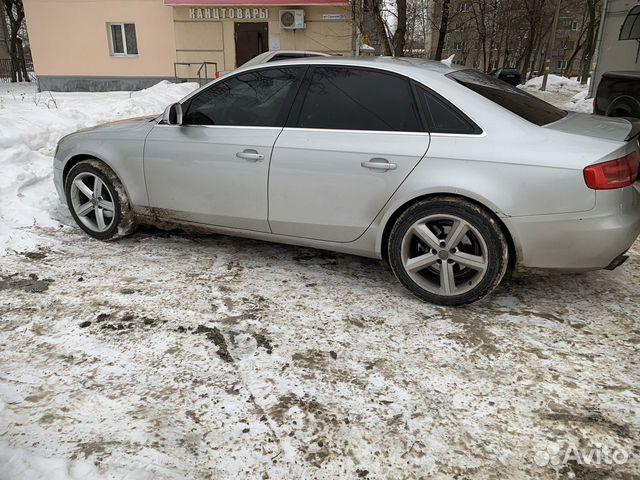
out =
column 590, row 40
column 14, row 12
column 392, row 43
column 443, row 29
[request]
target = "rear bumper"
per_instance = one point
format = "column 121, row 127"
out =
column 580, row 241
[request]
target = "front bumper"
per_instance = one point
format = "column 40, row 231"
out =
column 59, row 183
column 580, row 241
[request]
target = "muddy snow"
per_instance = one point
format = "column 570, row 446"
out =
column 175, row 356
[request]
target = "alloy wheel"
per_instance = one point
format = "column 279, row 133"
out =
column 444, row 254
column 92, row 202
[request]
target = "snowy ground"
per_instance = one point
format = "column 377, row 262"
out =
column 169, row 356
column 563, row 92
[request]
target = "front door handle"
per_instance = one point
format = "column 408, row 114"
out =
column 250, row 154
column 379, row 164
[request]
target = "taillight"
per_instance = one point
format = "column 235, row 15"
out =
column 618, row 173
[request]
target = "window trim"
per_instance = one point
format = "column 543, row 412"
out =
column 123, row 38
column 296, row 109
column 282, row 115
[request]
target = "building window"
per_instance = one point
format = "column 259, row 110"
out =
column 123, row 39
column 562, row 64
column 458, row 46
column 574, row 26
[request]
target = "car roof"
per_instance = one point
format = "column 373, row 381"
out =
column 405, row 65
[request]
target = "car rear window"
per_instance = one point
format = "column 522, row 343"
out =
column 513, row 99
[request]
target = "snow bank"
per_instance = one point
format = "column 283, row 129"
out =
column 18, row 463
column 556, row 83
column 31, row 124
column 580, row 103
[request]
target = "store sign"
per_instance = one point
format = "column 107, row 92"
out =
column 334, row 16
column 228, row 13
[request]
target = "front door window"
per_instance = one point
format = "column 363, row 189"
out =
column 253, row 99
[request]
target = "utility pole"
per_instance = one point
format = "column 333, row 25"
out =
column 548, row 53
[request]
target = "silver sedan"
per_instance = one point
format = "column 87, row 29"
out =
column 450, row 175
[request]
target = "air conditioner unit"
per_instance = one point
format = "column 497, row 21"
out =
column 292, row 19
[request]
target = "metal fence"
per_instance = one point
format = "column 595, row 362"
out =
column 5, row 70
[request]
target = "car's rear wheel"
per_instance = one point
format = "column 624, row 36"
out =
column 97, row 201
column 448, row 251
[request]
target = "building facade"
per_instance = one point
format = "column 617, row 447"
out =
column 132, row 44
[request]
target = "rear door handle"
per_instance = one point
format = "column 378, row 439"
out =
column 250, row 154
column 379, row 164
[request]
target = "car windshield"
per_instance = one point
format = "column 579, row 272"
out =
column 513, row 99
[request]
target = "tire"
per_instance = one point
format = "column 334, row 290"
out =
column 453, row 232
column 107, row 216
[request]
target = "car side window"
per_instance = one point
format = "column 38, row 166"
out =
column 358, row 99
column 443, row 117
column 256, row 98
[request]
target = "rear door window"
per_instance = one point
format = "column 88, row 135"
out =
column 347, row 98
column 513, row 99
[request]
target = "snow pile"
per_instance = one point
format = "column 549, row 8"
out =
column 557, row 84
column 18, row 463
column 30, row 126
column 580, row 102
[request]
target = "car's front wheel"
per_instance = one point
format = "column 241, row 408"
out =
column 448, row 251
column 97, row 201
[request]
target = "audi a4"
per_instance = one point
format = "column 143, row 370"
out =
column 450, row 175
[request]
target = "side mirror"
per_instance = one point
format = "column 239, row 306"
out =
column 172, row 115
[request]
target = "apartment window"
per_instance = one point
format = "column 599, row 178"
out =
column 562, row 64
column 123, row 39
column 458, row 46
column 574, row 26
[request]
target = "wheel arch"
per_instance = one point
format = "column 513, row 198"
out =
column 80, row 157
column 391, row 219
column 623, row 105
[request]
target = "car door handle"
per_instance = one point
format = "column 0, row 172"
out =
column 379, row 164
column 250, row 154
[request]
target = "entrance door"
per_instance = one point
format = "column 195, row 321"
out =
column 252, row 39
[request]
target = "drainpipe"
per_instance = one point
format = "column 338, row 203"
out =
column 596, row 54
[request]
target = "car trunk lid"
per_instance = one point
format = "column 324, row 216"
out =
column 608, row 128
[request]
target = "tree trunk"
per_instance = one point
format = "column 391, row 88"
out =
column 444, row 25
column 22, row 61
column 399, row 36
column 14, row 10
column 589, row 43
column 375, row 7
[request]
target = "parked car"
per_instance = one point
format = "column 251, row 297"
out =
column 451, row 175
column 510, row 75
column 275, row 55
column 618, row 95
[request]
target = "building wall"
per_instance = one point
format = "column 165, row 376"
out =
column 69, row 39
column 199, row 40
column 614, row 54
